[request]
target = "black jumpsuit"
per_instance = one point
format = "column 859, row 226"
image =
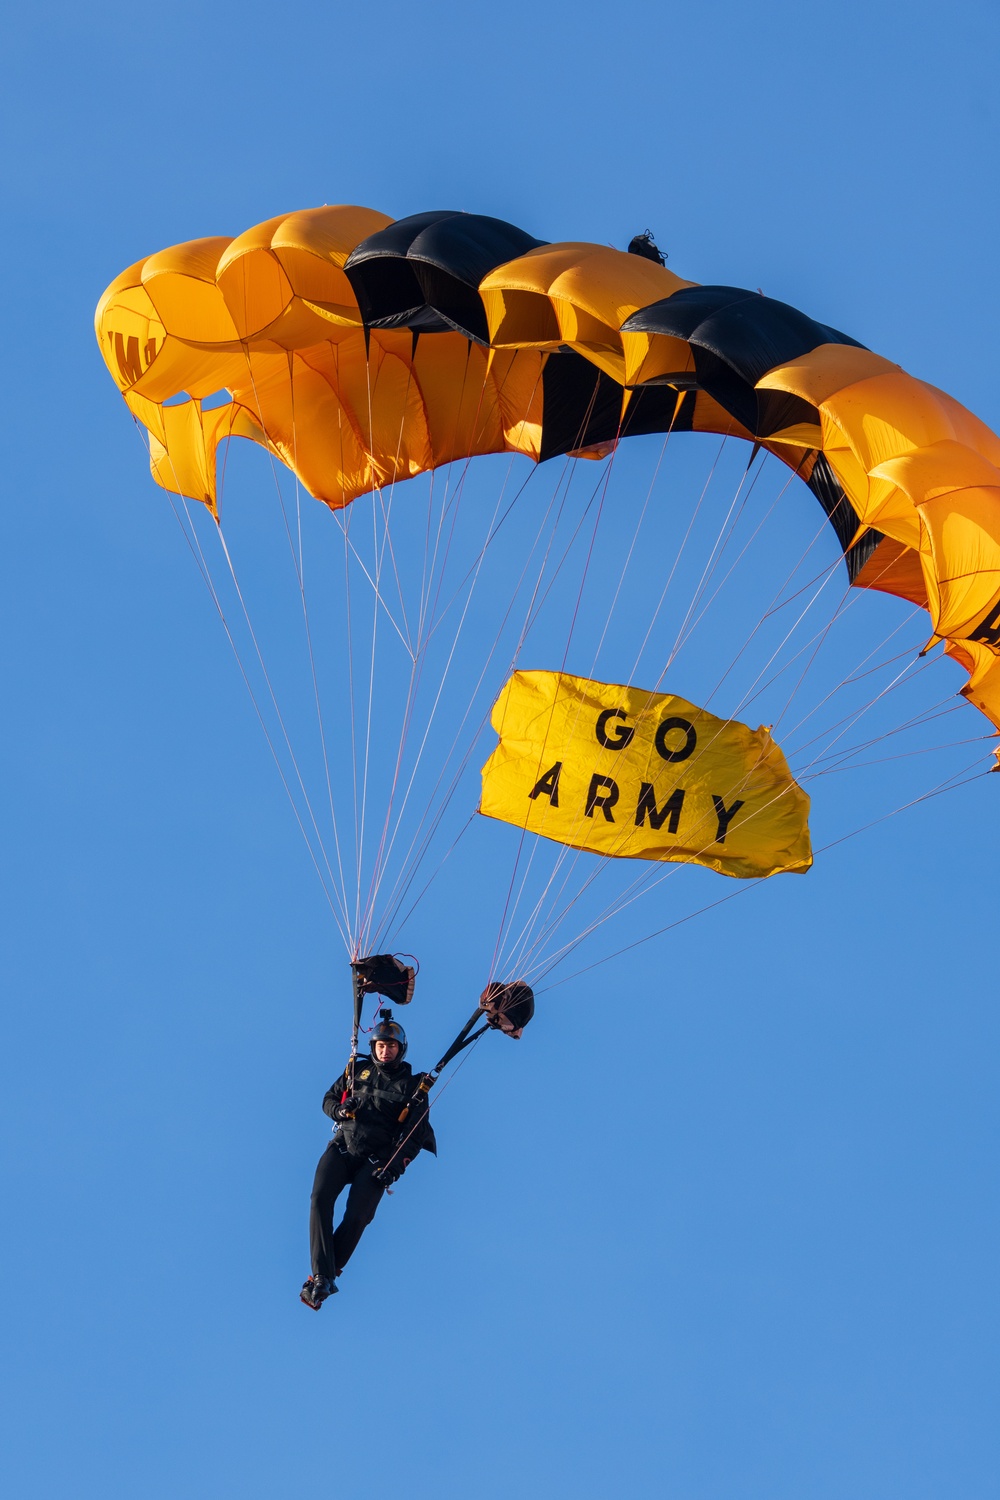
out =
column 358, row 1149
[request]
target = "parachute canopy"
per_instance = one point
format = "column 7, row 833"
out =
column 632, row 774
column 360, row 351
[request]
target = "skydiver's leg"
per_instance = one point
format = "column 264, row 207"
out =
column 333, row 1173
column 362, row 1201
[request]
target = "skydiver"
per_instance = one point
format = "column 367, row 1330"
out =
column 370, row 1151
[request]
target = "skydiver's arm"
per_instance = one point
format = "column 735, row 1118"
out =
column 334, row 1094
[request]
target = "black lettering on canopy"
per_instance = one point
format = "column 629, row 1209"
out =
column 725, row 816
column 620, row 737
column 657, row 815
column 127, row 355
column 548, row 786
column 603, row 793
column 690, row 739
column 989, row 628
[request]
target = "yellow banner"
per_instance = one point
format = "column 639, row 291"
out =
column 637, row 775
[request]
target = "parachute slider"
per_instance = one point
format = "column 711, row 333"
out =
column 644, row 245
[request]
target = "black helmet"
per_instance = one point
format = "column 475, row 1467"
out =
column 389, row 1030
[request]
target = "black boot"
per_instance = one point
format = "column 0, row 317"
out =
column 316, row 1290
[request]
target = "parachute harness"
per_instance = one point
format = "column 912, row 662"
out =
column 505, row 1007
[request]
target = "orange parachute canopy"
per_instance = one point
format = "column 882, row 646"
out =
column 361, row 351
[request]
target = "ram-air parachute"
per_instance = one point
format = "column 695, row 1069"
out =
column 362, row 352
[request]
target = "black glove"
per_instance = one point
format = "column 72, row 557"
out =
column 390, row 1172
column 346, row 1110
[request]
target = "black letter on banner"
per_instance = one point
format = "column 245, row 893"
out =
column 725, row 816
column 603, row 793
column 691, row 739
column 549, row 784
column 622, row 735
column 647, row 804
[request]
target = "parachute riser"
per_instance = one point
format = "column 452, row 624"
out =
column 464, row 1039
column 502, row 1007
column 358, row 985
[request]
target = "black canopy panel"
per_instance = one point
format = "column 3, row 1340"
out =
column 424, row 272
column 736, row 337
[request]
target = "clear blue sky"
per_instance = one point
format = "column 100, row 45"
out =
column 725, row 1223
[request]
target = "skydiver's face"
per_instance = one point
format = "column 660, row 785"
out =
column 386, row 1052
